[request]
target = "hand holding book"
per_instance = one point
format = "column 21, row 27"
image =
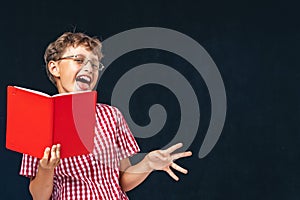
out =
column 51, row 157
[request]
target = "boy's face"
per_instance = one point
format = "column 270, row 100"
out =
column 76, row 70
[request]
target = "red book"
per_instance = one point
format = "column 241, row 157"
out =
column 36, row 120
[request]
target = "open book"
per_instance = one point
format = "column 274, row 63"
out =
column 36, row 120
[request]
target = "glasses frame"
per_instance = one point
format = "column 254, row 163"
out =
column 99, row 67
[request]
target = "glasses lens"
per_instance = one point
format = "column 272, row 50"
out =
column 94, row 63
column 101, row 66
column 80, row 60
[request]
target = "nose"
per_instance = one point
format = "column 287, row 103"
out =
column 88, row 67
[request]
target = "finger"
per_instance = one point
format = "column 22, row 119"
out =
column 46, row 153
column 178, row 168
column 181, row 155
column 53, row 151
column 173, row 148
column 57, row 154
column 58, row 151
column 45, row 159
column 171, row 173
column 53, row 160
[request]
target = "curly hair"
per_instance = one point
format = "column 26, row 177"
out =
column 56, row 49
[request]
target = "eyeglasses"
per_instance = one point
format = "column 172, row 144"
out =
column 82, row 60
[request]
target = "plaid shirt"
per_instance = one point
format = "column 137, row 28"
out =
column 96, row 175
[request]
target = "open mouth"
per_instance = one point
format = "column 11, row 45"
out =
column 83, row 82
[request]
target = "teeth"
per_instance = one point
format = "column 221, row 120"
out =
column 84, row 79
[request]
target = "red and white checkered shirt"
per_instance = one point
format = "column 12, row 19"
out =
column 96, row 175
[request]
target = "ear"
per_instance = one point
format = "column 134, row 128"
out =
column 53, row 68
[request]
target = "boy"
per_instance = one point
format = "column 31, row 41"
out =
column 73, row 64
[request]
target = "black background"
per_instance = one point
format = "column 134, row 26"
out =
column 255, row 45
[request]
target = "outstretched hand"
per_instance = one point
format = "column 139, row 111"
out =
column 164, row 160
column 51, row 157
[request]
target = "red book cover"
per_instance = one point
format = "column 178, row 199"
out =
column 36, row 120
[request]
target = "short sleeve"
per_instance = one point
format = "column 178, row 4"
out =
column 29, row 166
column 126, row 142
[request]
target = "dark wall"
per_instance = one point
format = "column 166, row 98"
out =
column 255, row 46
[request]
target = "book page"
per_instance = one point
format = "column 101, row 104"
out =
column 47, row 95
column 70, row 93
column 33, row 91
